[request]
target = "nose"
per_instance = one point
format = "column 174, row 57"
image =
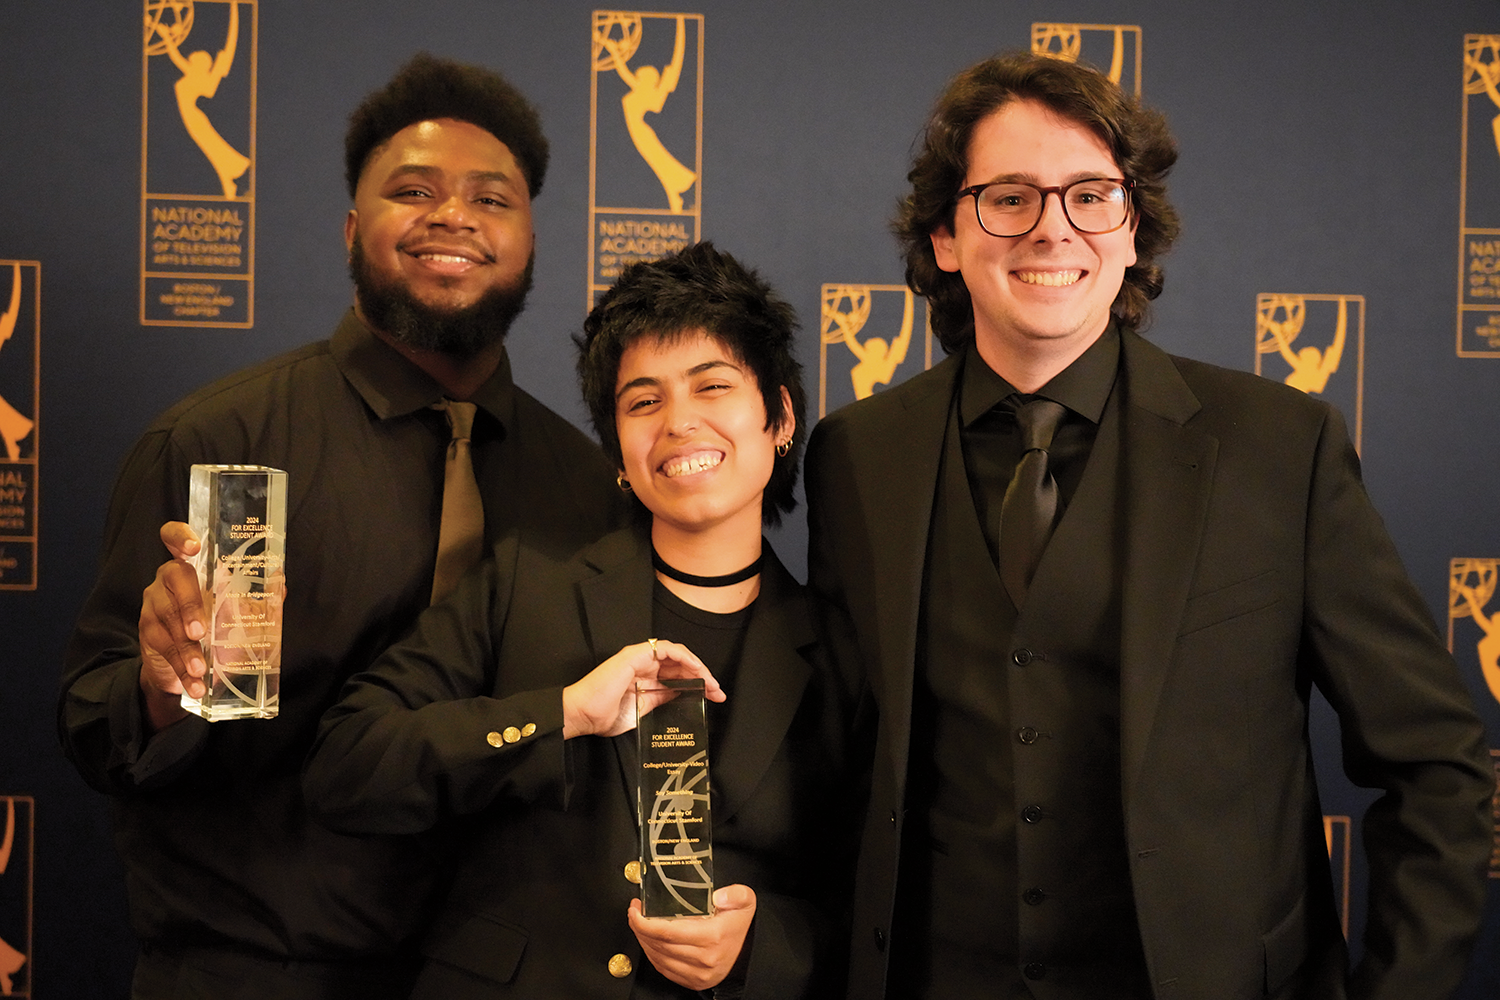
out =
column 1054, row 223
column 451, row 212
column 681, row 417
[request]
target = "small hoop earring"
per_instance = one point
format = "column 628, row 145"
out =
column 623, row 483
column 784, row 448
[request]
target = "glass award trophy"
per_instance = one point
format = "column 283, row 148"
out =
column 677, row 861
column 239, row 515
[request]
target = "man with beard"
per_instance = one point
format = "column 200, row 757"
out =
column 233, row 890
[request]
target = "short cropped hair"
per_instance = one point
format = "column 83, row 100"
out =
column 1137, row 138
column 427, row 88
column 698, row 288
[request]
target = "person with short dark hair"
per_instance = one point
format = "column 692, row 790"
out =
column 234, row 891
column 1092, row 587
column 511, row 709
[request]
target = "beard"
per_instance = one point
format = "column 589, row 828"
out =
column 460, row 332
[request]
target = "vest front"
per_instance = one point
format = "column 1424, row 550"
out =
column 1014, row 872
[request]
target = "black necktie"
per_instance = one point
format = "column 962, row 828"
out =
column 1030, row 504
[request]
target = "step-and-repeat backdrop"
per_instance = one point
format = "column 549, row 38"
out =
column 171, row 209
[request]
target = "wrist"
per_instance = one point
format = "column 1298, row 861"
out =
column 159, row 709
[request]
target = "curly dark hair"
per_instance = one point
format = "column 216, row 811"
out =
column 1136, row 136
column 698, row 288
column 428, row 87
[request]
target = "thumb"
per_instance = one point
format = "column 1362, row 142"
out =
column 734, row 897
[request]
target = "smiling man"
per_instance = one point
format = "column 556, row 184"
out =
column 1091, row 586
column 233, row 890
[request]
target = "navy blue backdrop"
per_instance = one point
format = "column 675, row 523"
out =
column 1324, row 160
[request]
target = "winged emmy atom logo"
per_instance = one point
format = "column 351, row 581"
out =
column 1116, row 46
column 1471, row 586
column 645, row 139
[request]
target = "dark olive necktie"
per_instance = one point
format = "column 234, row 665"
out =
column 461, row 532
column 1030, row 505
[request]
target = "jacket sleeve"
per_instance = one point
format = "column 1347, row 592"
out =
column 99, row 718
column 1409, row 729
column 418, row 737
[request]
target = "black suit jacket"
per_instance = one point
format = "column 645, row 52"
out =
column 1254, row 566
column 538, row 905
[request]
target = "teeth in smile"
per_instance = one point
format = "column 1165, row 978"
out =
column 688, row 466
column 445, row 258
column 1053, row 278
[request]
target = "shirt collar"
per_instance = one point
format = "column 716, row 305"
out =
column 392, row 386
column 1083, row 387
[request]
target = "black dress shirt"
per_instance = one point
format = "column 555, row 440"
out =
column 992, row 443
column 209, row 820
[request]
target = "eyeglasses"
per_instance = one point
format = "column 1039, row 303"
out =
column 1094, row 205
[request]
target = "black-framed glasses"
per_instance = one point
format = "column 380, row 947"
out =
column 1094, row 205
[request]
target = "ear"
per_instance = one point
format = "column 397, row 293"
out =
column 1134, row 224
column 942, row 248
column 785, row 430
column 351, row 225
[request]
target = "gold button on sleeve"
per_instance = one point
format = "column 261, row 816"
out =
column 512, row 734
column 619, row 966
column 494, row 739
column 633, row 871
column 528, row 729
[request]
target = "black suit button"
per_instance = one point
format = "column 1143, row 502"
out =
column 1035, row 970
column 1032, row 814
column 879, row 939
column 1026, row 735
column 1034, row 897
column 1021, row 657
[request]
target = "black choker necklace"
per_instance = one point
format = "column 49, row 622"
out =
column 706, row 581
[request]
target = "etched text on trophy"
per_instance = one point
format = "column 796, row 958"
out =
column 239, row 515
column 677, row 870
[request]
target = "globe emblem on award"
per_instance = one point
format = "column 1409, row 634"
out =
column 1471, row 585
column 1482, row 72
column 877, row 358
column 1067, row 37
column 671, row 843
column 612, row 50
column 168, row 24
column 1278, row 321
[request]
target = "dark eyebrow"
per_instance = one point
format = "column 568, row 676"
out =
column 652, row 380
column 428, row 170
column 1024, row 178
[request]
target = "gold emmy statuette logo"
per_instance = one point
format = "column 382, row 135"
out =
column 1337, row 834
column 198, row 66
column 20, row 392
column 1471, row 585
column 1479, row 201
column 646, row 119
column 879, row 358
column 1315, row 343
column 17, row 879
column 1115, row 46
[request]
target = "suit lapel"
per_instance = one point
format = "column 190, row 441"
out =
column 896, row 481
column 617, row 613
column 768, row 689
column 1168, row 475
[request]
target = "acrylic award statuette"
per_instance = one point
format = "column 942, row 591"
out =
column 239, row 515
column 677, row 862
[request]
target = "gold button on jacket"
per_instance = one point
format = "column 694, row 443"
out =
column 633, row 872
column 494, row 739
column 619, row 966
